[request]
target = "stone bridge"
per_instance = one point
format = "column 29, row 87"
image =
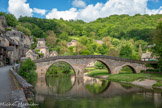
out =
column 79, row 64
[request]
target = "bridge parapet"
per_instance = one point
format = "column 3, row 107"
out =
column 79, row 63
column 89, row 57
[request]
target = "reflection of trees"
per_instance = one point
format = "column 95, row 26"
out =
column 61, row 84
column 59, row 68
column 96, row 87
column 125, row 101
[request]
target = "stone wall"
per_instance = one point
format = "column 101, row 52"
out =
column 27, row 88
column 18, row 99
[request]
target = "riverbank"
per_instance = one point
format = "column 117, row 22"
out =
column 146, row 80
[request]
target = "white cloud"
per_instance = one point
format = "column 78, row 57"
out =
column 19, row 8
column 66, row 15
column 100, row 10
column 154, row 11
column 39, row 11
column 79, row 3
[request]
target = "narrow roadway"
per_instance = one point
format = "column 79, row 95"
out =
column 6, row 85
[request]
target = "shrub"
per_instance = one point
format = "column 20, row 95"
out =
column 27, row 70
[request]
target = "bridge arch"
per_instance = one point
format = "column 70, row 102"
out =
column 101, row 61
column 129, row 66
column 56, row 61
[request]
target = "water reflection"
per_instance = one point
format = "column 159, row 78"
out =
column 60, row 84
column 68, row 91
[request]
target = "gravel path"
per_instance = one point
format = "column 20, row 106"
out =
column 146, row 83
column 6, row 85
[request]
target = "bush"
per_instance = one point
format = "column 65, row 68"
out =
column 152, row 70
column 27, row 70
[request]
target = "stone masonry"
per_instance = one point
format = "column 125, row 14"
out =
column 79, row 64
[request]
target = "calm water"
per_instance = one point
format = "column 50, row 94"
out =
column 71, row 92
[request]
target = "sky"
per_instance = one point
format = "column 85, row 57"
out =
column 86, row 10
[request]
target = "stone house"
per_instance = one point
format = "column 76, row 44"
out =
column 23, row 41
column 8, row 47
column 72, row 43
column 148, row 57
column 31, row 54
column 3, row 55
column 41, row 46
column 13, row 50
column 53, row 53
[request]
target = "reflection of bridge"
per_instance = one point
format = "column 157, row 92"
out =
column 79, row 63
column 79, row 90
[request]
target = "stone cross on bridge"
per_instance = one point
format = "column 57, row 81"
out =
column 79, row 64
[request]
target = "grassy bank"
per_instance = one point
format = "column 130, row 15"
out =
column 127, row 77
column 96, row 72
column 133, row 77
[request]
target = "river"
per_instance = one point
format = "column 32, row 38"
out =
column 70, row 92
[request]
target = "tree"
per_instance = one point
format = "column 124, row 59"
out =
column 26, row 31
column 11, row 20
column 113, row 52
column 83, row 40
column 79, row 48
column 107, row 41
column 51, row 38
column 27, row 70
column 85, row 52
column 126, row 52
column 140, row 51
column 157, row 40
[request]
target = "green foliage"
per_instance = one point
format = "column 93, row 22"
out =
column 97, row 88
column 62, row 83
column 33, row 46
column 26, row 31
column 126, row 70
column 99, row 72
column 126, row 52
column 99, row 65
column 27, row 70
column 60, row 68
column 10, row 18
column 133, row 77
column 157, row 39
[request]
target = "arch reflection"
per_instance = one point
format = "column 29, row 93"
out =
column 96, row 86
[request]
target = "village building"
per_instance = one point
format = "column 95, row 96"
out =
column 3, row 54
column 21, row 39
column 148, row 57
column 32, row 55
column 72, row 43
column 8, row 47
column 53, row 53
column 41, row 46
